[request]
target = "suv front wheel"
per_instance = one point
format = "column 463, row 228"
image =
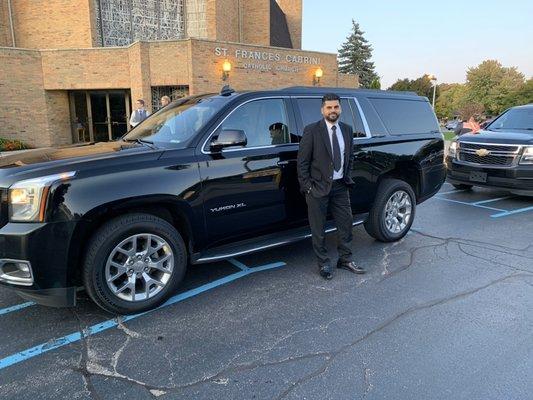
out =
column 393, row 211
column 133, row 263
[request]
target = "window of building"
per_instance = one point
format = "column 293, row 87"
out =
column 122, row 22
column 264, row 122
column 403, row 117
column 174, row 92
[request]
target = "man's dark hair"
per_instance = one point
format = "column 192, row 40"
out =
column 330, row 97
column 141, row 101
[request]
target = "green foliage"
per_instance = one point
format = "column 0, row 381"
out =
column 452, row 98
column 422, row 86
column 354, row 57
column 490, row 89
column 494, row 86
column 10, row 145
column 375, row 84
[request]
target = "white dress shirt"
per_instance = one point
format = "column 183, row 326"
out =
column 339, row 174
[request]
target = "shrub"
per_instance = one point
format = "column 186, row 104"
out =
column 10, row 145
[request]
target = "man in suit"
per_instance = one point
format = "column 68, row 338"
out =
column 324, row 165
column 139, row 115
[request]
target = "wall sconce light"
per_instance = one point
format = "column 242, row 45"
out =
column 226, row 68
column 316, row 77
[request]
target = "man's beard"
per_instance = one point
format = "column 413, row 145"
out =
column 332, row 117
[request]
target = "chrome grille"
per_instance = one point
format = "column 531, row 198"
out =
column 497, row 155
column 490, row 147
column 487, row 160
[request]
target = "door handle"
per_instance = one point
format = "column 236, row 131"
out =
column 282, row 163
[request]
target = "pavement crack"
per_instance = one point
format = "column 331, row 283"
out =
column 411, row 310
column 89, row 368
column 461, row 248
column 84, row 360
column 366, row 378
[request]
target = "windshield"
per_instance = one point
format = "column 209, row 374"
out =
column 178, row 122
column 514, row 119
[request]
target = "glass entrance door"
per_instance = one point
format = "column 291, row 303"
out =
column 118, row 114
column 99, row 116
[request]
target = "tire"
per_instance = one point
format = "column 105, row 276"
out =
column 119, row 247
column 377, row 225
column 462, row 186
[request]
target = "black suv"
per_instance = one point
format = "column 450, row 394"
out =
column 500, row 156
column 206, row 178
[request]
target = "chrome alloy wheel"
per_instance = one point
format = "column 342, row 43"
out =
column 398, row 211
column 139, row 267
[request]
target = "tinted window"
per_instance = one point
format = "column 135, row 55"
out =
column 310, row 111
column 515, row 119
column 178, row 122
column 263, row 121
column 374, row 123
column 402, row 117
column 359, row 130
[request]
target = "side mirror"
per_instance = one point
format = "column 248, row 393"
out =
column 229, row 138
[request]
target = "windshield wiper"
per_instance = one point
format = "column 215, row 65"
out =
column 143, row 142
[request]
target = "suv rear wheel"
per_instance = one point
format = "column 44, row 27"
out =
column 393, row 211
column 133, row 263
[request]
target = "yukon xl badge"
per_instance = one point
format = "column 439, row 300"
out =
column 228, row 207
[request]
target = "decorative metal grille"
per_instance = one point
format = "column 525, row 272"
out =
column 174, row 92
column 121, row 22
column 196, row 11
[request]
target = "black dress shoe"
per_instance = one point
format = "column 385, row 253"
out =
column 350, row 266
column 325, row 272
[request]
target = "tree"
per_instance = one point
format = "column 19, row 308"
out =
column 354, row 57
column 525, row 94
column 375, row 84
column 451, row 100
column 422, row 86
column 494, row 86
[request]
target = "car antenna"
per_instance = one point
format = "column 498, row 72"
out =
column 226, row 90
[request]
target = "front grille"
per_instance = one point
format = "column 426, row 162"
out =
column 487, row 160
column 497, row 155
column 490, row 147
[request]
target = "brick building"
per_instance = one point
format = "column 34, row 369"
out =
column 69, row 69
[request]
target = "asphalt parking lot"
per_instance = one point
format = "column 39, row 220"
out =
column 446, row 313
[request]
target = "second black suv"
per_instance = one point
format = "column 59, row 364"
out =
column 206, row 178
column 500, row 156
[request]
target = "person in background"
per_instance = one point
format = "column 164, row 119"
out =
column 165, row 101
column 470, row 126
column 140, row 114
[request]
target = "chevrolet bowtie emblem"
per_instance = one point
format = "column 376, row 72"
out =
column 482, row 152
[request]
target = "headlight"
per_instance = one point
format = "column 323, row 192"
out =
column 527, row 157
column 453, row 149
column 27, row 199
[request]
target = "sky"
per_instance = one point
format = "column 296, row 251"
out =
column 411, row 38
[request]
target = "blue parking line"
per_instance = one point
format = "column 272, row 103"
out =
column 507, row 213
column 103, row 326
column 8, row 310
column 491, row 200
column 238, row 264
column 470, row 204
column 453, row 191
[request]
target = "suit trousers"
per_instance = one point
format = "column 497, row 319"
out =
column 338, row 202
